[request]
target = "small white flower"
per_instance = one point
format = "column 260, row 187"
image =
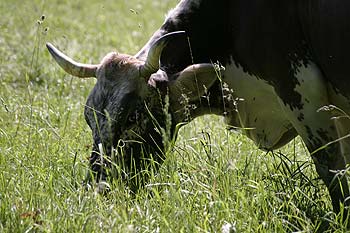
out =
column 228, row 227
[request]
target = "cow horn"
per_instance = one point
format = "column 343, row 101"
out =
column 152, row 61
column 72, row 67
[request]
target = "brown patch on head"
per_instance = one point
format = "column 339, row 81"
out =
column 115, row 64
column 126, row 62
column 123, row 61
column 109, row 58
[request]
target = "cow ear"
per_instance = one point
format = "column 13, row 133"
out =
column 159, row 80
column 194, row 81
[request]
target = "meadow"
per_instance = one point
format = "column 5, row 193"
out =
column 213, row 180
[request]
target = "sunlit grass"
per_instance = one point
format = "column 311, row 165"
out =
column 213, row 180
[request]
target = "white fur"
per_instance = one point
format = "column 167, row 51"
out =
column 259, row 114
column 342, row 120
column 313, row 88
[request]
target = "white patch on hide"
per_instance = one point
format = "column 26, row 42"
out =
column 314, row 126
column 338, row 100
column 259, row 115
column 341, row 113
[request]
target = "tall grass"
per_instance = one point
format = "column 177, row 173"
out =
column 213, row 180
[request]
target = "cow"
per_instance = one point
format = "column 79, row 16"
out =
column 273, row 69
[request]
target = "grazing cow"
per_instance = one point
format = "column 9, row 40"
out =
column 286, row 60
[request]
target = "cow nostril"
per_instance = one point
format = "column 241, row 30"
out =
column 132, row 118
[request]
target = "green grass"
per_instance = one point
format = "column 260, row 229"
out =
column 211, row 180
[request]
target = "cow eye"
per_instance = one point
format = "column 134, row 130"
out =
column 133, row 117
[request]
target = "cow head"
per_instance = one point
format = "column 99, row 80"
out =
column 134, row 107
